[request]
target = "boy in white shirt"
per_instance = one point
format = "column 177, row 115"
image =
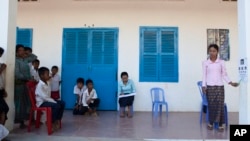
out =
column 55, row 82
column 43, row 98
column 79, row 89
column 34, row 70
column 90, row 99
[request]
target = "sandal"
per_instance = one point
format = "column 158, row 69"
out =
column 221, row 128
column 210, row 127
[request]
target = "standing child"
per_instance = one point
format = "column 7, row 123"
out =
column 55, row 83
column 43, row 98
column 34, row 70
column 78, row 91
column 90, row 99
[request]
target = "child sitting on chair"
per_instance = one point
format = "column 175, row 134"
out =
column 78, row 91
column 43, row 98
column 90, row 100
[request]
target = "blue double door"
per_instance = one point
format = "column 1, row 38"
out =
column 90, row 54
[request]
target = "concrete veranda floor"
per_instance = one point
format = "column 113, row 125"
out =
column 108, row 126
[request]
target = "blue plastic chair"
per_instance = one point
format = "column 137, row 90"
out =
column 158, row 99
column 204, row 103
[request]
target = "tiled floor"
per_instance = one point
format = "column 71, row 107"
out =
column 143, row 126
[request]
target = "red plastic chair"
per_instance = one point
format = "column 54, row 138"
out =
column 31, row 89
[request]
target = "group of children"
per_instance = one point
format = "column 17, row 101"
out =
column 86, row 98
column 47, row 93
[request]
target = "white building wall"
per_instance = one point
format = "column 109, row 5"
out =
column 193, row 17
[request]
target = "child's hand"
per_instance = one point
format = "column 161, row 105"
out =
column 76, row 107
column 89, row 101
column 204, row 90
column 234, row 84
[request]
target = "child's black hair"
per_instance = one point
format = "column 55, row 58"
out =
column 36, row 61
column 42, row 70
column 89, row 81
column 28, row 49
column 80, row 80
column 124, row 74
column 19, row 46
column 213, row 46
column 1, row 50
column 54, row 67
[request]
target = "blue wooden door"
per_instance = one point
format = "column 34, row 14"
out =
column 91, row 54
column 104, row 67
column 75, row 62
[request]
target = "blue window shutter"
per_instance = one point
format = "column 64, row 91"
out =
column 97, row 47
column 82, row 47
column 70, row 38
column 109, row 47
column 148, row 56
column 24, row 36
column 159, row 54
column 168, row 70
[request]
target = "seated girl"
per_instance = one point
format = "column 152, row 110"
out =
column 126, row 89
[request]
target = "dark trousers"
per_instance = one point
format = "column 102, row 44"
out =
column 4, row 108
column 95, row 104
column 56, row 108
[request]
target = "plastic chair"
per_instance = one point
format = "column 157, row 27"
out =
column 158, row 99
column 31, row 90
column 205, row 103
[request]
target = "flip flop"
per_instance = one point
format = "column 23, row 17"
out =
column 221, row 128
column 210, row 127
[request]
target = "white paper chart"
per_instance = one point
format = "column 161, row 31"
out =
column 243, row 69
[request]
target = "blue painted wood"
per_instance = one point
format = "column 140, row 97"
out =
column 91, row 53
column 159, row 54
column 24, row 36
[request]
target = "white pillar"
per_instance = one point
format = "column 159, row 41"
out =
column 244, row 47
column 8, row 12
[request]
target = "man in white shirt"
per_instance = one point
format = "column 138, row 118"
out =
column 43, row 98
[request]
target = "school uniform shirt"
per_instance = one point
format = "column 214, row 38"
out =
column 34, row 74
column 214, row 73
column 55, row 82
column 78, row 91
column 127, row 88
column 87, row 96
column 43, row 93
column 1, row 80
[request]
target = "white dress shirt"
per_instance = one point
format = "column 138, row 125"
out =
column 55, row 82
column 43, row 93
column 87, row 96
column 34, row 74
column 79, row 92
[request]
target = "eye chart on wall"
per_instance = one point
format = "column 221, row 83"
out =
column 242, row 69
